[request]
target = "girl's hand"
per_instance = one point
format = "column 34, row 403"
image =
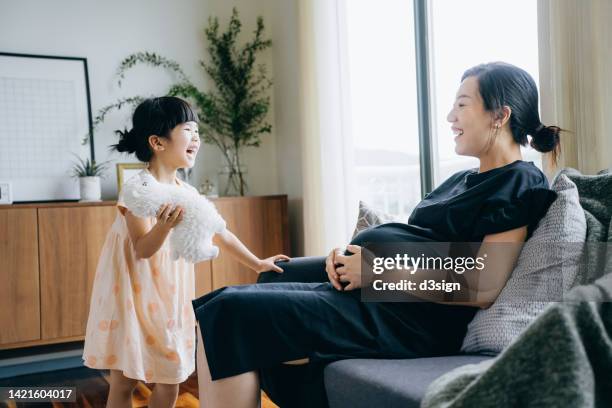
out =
column 168, row 217
column 330, row 268
column 268, row 264
column 350, row 271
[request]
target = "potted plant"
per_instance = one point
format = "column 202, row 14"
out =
column 89, row 173
column 233, row 115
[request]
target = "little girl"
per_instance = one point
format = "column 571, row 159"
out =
column 141, row 324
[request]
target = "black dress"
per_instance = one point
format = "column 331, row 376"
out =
column 298, row 314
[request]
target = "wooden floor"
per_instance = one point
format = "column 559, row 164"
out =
column 92, row 389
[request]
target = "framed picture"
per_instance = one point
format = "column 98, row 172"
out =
column 127, row 170
column 5, row 192
column 45, row 112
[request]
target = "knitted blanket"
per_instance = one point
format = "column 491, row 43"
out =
column 564, row 358
column 595, row 194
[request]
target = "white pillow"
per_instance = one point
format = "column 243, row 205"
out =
column 369, row 217
column 547, row 267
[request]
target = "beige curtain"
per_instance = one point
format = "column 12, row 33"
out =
column 575, row 44
column 324, row 127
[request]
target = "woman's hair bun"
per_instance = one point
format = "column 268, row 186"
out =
column 546, row 138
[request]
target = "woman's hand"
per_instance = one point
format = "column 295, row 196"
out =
column 330, row 268
column 265, row 265
column 168, row 217
column 350, row 271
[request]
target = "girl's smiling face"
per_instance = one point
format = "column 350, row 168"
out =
column 470, row 122
column 181, row 146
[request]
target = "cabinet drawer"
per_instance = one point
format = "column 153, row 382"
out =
column 19, row 291
column 70, row 243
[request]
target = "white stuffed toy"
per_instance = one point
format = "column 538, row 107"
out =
column 191, row 238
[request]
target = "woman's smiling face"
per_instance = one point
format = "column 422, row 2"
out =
column 470, row 122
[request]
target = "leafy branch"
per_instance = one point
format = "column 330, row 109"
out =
column 151, row 59
column 101, row 115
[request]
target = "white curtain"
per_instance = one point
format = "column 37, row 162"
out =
column 575, row 42
column 329, row 206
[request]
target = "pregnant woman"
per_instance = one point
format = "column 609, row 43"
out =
column 313, row 314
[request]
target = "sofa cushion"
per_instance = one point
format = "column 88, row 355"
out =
column 386, row 383
column 547, row 267
column 369, row 217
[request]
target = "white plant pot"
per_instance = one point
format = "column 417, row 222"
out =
column 90, row 188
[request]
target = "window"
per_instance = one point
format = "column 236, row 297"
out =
column 380, row 41
column 381, row 65
column 383, row 97
column 466, row 33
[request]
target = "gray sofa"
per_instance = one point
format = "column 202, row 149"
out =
column 371, row 383
column 581, row 213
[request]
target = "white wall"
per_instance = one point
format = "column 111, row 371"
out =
column 106, row 32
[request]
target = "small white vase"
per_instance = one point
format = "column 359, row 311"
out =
column 90, row 188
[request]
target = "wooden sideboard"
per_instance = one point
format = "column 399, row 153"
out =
column 49, row 253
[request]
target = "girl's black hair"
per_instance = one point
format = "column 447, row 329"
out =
column 154, row 116
column 502, row 84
